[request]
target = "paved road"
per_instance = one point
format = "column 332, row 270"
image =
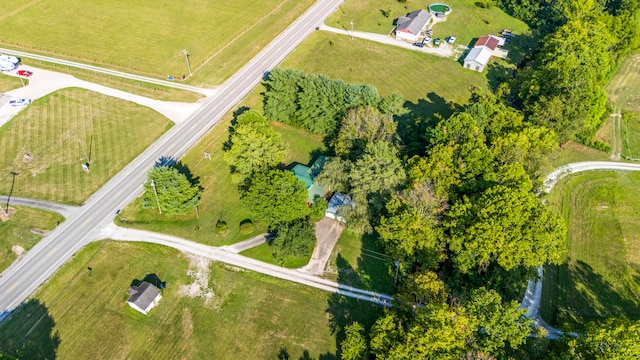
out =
column 532, row 297
column 64, row 210
column 26, row 55
column 247, row 244
column 17, row 283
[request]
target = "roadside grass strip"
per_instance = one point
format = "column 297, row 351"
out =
column 601, row 278
column 46, row 144
column 82, row 314
column 150, row 38
column 10, row 82
column 23, row 230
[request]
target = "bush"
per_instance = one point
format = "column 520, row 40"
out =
column 246, row 227
column 221, row 227
column 295, row 239
column 319, row 208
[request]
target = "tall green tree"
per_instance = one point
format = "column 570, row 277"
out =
column 170, row 189
column 276, row 197
column 253, row 146
column 361, row 126
column 354, row 346
column 281, row 95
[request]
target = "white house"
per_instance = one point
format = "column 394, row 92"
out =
column 409, row 27
column 483, row 49
column 144, row 297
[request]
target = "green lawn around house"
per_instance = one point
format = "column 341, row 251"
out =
column 81, row 314
column 357, row 260
column 601, row 278
column 624, row 87
column 263, row 253
column 467, row 21
column 221, row 199
column 429, row 83
column 150, row 37
column 46, row 144
column 24, row 229
column 10, row 82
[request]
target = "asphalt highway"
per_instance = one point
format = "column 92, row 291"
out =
column 19, row 281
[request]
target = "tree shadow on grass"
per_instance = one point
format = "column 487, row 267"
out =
column 584, row 295
column 498, row 74
column 152, row 279
column 29, row 334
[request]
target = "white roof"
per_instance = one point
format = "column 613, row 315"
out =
column 479, row 54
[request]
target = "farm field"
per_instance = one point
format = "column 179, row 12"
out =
column 45, row 144
column 78, row 314
column 9, row 83
column 630, row 138
column 624, row 87
column 22, row 230
column 602, row 276
column 221, row 200
column 220, row 36
column 430, row 84
column 467, row 20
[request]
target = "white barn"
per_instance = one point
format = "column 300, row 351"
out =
column 144, row 297
column 477, row 58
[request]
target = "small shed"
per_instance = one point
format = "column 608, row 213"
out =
column 338, row 203
column 144, row 297
column 307, row 175
column 409, row 27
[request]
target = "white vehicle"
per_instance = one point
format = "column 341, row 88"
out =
column 451, row 39
column 8, row 63
column 20, row 102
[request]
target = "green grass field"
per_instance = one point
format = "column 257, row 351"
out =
column 220, row 36
column 602, row 276
column 263, row 253
column 78, row 315
column 357, row 260
column 9, row 83
column 467, row 21
column 624, row 87
column 221, row 200
column 17, row 231
column 57, row 131
column 630, row 138
column 430, row 84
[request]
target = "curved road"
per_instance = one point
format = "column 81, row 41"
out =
column 20, row 281
column 532, row 297
column 64, row 210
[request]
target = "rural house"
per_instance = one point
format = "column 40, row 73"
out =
column 143, row 297
column 484, row 48
column 307, row 175
column 409, row 27
column 336, row 206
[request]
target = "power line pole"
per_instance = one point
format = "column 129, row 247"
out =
column 186, row 56
column 153, row 185
column 351, row 29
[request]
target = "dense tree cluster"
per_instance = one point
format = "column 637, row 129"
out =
column 316, row 102
column 170, row 190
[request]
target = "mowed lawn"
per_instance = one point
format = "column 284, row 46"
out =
column 9, row 83
column 82, row 315
column 602, row 276
column 624, row 87
column 429, row 83
column 47, row 143
column 23, row 229
column 467, row 21
column 221, row 199
column 149, row 37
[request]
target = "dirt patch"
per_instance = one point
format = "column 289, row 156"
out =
column 39, row 231
column 199, row 273
column 7, row 214
column 17, row 249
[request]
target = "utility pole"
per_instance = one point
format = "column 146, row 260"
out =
column 153, row 185
column 397, row 265
column 186, row 56
column 351, row 29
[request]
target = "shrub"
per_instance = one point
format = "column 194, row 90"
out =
column 295, row 239
column 221, row 227
column 319, row 208
column 246, row 227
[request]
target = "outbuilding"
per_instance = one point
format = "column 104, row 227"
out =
column 144, row 297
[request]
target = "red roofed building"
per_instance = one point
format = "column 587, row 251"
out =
column 487, row 41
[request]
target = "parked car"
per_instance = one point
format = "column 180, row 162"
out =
column 426, row 40
column 451, row 39
column 436, row 41
column 20, row 102
column 25, row 73
column 418, row 44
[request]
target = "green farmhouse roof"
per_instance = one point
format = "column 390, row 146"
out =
column 307, row 175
